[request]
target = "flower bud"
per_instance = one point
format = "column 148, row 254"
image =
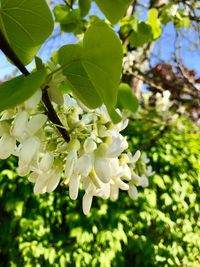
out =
column 114, row 192
column 71, row 160
column 53, row 180
column 132, row 192
column 74, row 187
column 87, row 202
column 136, row 156
column 89, row 145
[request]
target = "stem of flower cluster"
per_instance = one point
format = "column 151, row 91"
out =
column 52, row 115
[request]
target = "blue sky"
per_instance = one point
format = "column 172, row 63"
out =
column 162, row 52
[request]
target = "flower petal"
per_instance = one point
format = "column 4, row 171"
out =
column 74, row 187
column 34, row 100
column 53, row 181
column 29, row 148
column 35, row 123
column 87, row 203
column 7, row 146
column 46, row 162
column 19, row 124
column 84, row 164
column 132, row 192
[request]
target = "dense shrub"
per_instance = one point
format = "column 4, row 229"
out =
column 161, row 228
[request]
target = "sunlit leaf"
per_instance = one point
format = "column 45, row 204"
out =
column 84, row 6
column 102, row 60
column 114, row 10
column 142, row 35
column 154, row 22
column 69, row 56
column 26, row 25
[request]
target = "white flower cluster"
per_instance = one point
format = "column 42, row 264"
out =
column 164, row 107
column 130, row 61
column 93, row 160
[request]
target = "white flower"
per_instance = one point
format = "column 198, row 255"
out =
column 135, row 157
column 143, row 181
column 135, row 178
column 103, row 191
column 84, row 164
column 122, row 185
column 70, row 162
column 7, row 146
column 46, row 162
column 89, row 145
column 87, row 203
column 119, row 144
column 74, row 182
column 114, row 192
column 72, row 157
column 47, row 182
column 19, row 124
column 33, row 101
column 105, row 168
column 36, row 123
column 55, row 93
column 132, row 192
column 46, row 174
column 28, row 150
column 126, row 172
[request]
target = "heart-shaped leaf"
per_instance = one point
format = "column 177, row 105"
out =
column 102, row 60
column 94, row 70
column 114, row 10
column 26, row 25
column 69, row 56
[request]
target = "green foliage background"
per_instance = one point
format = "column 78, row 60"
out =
column 161, row 228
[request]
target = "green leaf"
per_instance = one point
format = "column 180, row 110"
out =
column 17, row 90
column 26, row 25
column 60, row 12
column 69, row 56
column 94, row 70
column 69, row 19
column 154, row 22
column 126, row 99
column 84, row 6
column 114, row 10
column 39, row 64
column 142, row 35
column 128, row 24
column 102, row 60
column 114, row 115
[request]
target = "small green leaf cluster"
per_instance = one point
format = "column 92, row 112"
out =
column 179, row 16
column 141, row 32
column 72, row 20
